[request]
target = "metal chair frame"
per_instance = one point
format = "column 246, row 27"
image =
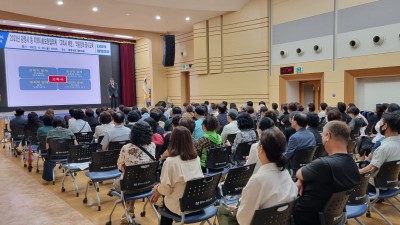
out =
column 278, row 215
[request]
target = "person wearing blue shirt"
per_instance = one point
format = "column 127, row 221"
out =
column 200, row 112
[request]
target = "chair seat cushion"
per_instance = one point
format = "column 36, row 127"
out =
column 385, row 194
column 195, row 217
column 73, row 167
column 353, row 211
column 106, row 175
column 131, row 196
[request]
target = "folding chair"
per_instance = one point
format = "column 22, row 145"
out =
column 102, row 167
column 42, row 151
column 231, row 138
column 78, row 160
column 386, row 187
column 17, row 135
column 351, row 145
column 218, row 160
column 320, row 152
column 242, row 151
column 86, row 137
column 58, row 152
column 301, row 158
column 99, row 142
column 235, row 181
column 197, row 202
column 357, row 204
column 137, row 183
column 116, row 145
column 332, row 213
column 278, row 215
column 30, row 146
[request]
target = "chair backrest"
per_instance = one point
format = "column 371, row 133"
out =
column 231, row 138
column 59, row 148
column 100, row 139
column 351, row 145
column 31, row 137
column 302, row 157
column 277, row 215
column 139, row 178
column 237, row 179
column 320, row 151
column 368, row 129
column 199, row 193
column 86, row 137
column 81, row 153
column 42, row 142
column 17, row 133
column 104, row 161
column 359, row 194
column 388, row 175
column 116, row 145
column 243, row 150
column 218, row 157
column 332, row 214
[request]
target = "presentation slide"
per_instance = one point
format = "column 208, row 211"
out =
column 36, row 78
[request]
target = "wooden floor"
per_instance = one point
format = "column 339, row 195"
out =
column 27, row 199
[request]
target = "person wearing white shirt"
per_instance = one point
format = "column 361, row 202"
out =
column 106, row 125
column 265, row 123
column 79, row 125
column 270, row 186
column 231, row 127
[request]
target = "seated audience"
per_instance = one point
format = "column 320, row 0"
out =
column 222, row 116
column 32, row 125
column 117, row 133
column 324, row 176
column 302, row 139
column 144, row 113
column 69, row 116
column 341, row 106
column 79, row 125
column 265, row 123
column 189, row 113
column 311, row 107
column 133, row 154
column 356, row 123
column 275, row 109
column 156, row 115
column 133, row 117
column 106, row 125
column 158, row 139
column 48, row 125
column 182, row 165
column 271, row 185
column 18, row 123
column 59, row 132
column 210, row 138
column 93, row 122
column 199, row 114
column 246, row 133
column 232, row 126
column 312, row 126
column 167, row 136
column 322, row 113
column 168, row 124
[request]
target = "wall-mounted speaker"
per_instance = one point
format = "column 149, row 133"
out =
column 168, row 50
column 378, row 40
column 317, row 48
column 354, row 43
column 300, row 51
column 283, row 53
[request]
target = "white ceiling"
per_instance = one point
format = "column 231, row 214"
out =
column 126, row 14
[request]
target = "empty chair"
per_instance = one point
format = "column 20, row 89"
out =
column 235, row 181
column 116, row 145
column 218, row 160
column 58, row 152
column 42, row 151
column 332, row 213
column 86, row 137
column 300, row 159
column 358, row 201
column 386, row 187
column 102, row 167
column 278, row 215
column 197, row 202
column 78, row 160
column 242, row 151
column 137, row 183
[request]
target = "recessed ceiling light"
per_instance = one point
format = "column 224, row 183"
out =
column 83, row 31
column 95, row 9
column 187, row 18
column 59, row 28
column 158, row 17
column 32, row 25
column 59, row 2
column 123, row 36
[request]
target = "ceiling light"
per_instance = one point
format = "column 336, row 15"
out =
column 83, row 31
column 158, row 17
column 59, row 2
column 31, row 25
column 128, row 14
column 95, row 9
column 123, row 36
column 187, row 18
column 59, row 28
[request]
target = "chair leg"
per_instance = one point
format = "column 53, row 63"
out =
column 395, row 206
column 359, row 221
column 75, row 184
column 96, row 189
column 112, row 210
column 156, row 212
column 87, row 187
column 143, row 213
column 397, row 198
column 381, row 215
column 63, row 180
column 54, row 176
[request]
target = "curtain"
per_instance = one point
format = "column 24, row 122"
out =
column 128, row 86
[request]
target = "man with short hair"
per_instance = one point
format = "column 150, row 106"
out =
column 19, row 122
column 324, row 176
column 112, row 89
column 118, row 133
column 232, row 126
column 222, row 116
column 168, row 123
column 156, row 114
column 322, row 113
column 199, row 113
column 302, row 139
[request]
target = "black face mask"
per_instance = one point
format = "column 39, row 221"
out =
column 382, row 131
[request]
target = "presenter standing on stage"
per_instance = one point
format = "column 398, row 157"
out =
column 112, row 89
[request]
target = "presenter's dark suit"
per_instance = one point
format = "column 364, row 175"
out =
column 113, row 93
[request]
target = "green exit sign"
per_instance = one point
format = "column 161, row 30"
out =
column 299, row 69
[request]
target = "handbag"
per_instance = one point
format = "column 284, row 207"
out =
column 147, row 153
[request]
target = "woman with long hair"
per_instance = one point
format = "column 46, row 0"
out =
column 182, row 165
